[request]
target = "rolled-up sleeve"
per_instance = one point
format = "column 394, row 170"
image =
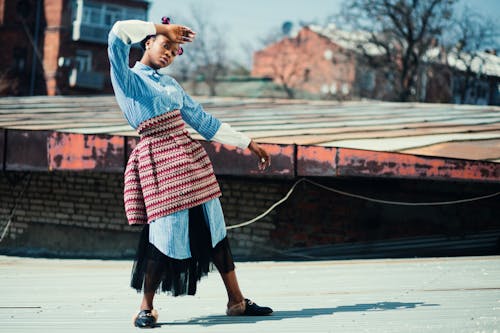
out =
column 120, row 38
column 228, row 135
column 133, row 31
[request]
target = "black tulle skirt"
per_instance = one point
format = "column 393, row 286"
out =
column 153, row 271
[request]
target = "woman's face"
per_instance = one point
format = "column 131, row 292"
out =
column 161, row 52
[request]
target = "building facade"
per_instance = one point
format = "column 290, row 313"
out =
column 309, row 62
column 59, row 47
column 325, row 62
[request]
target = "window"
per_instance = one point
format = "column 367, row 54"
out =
column 104, row 15
column 83, row 60
column 92, row 14
column 111, row 15
column 307, row 73
column 333, row 88
column 345, row 88
column 92, row 20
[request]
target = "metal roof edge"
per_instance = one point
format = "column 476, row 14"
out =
column 25, row 150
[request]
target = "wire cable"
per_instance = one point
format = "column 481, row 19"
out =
column 13, row 211
column 357, row 196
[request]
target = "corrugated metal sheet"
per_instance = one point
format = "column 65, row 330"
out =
column 428, row 129
column 305, row 137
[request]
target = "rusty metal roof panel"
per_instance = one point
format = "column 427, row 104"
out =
column 28, row 150
column 442, row 131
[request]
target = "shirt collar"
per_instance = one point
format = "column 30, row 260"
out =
column 153, row 73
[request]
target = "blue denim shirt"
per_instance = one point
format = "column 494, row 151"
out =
column 143, row 93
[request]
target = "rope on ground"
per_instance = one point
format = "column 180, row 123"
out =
column 357, row 196
column 13, row 210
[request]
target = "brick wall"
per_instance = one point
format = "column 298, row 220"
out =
column 81, row 213
column 242, row 200
column 315, row 217
column 84, row 210
column 81, row 208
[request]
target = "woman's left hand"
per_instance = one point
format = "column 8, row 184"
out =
column 264, row 158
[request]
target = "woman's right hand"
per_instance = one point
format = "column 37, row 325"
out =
column 176, row 33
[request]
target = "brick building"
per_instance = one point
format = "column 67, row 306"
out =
column 324, row 61
column 59, row 47
column 320, row 61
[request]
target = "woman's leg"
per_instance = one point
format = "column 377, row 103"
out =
column 147, row 315
column 152, row 280
column 237, row 305
column 234, row 294
column 147, row 301
column 223, row 260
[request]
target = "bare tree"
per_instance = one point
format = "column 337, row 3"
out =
column 286, row 67
column 207, row 56
column 286, row 58
column 287, row 63
column 472, row 33
column 401, row 32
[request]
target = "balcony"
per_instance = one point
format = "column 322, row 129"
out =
column 89, row 80
column 88, row 33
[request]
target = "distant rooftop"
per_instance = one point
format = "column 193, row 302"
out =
column 482, row 62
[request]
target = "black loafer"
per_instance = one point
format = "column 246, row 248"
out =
column 252, row 309
column 248, row 308
column 146, row 319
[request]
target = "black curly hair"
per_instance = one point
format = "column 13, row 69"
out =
column 164, row 20
column 143, row 42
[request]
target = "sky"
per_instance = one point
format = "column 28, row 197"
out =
column 247, row 22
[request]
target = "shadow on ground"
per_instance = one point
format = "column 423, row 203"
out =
column 304, row 313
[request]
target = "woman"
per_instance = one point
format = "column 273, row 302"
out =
column 170, row 186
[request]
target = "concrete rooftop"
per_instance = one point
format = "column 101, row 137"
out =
column 392, row 295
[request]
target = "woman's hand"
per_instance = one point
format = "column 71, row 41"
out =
column 176, row 33
column 264, row 158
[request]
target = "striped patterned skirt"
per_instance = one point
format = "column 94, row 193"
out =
column 167, row 171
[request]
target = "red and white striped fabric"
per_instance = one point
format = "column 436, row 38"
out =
column 167, row 171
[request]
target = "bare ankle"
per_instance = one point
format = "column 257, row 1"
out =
column 146, row 306
column 235, row 300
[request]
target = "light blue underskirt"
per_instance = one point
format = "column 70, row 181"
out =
column 170, row 234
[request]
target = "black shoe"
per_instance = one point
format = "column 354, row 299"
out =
column 146, row 319
column 248, row 308
column 253, row 309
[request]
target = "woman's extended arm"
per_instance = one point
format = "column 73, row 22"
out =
column 227, row 135
column 212, row 128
